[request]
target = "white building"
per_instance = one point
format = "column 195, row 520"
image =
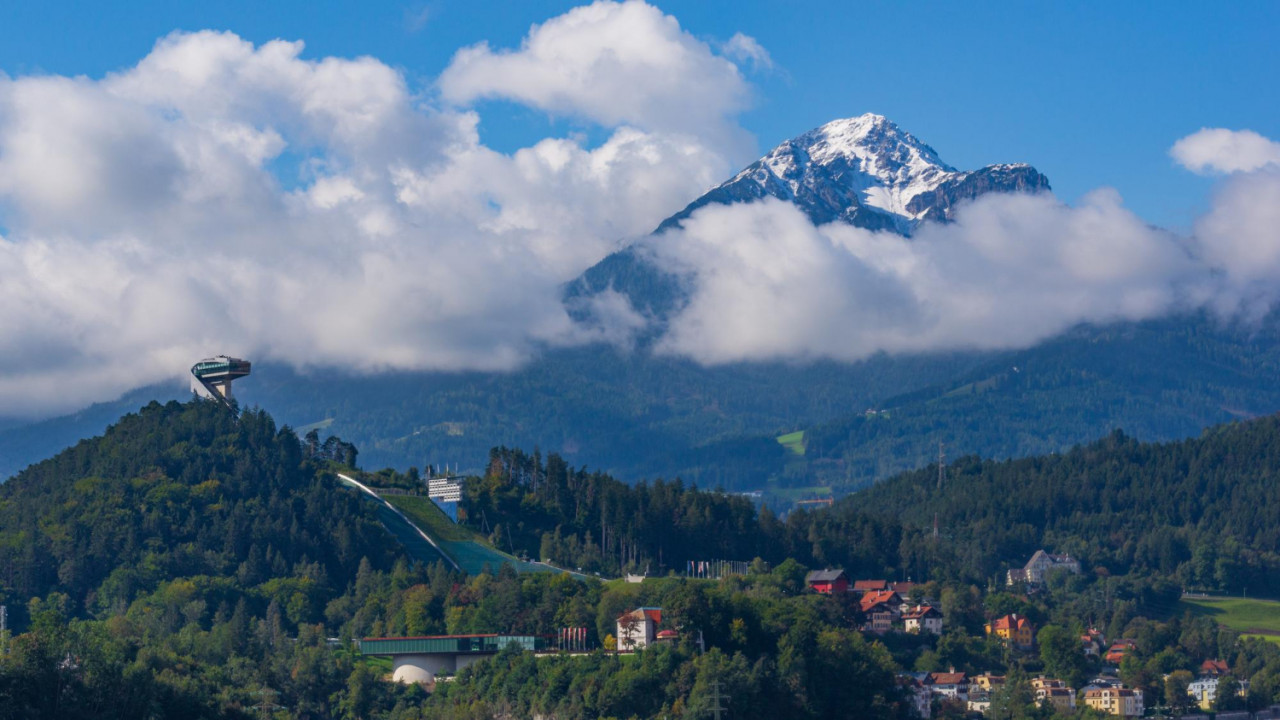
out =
column 923, row 618
column 949, row 685
column 1040, row 564
column 445, row 489
column 1205, row 691
column 638, row 628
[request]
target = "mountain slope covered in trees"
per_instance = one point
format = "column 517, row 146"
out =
column 187, row 564
column 182, row 490
column 1204, row 513
column 1160, row 380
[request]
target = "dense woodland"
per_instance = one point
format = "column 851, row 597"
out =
column 1202, row 514
column 188, row 564
column 1156, row 381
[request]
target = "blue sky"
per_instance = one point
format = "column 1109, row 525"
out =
column 1093, row 94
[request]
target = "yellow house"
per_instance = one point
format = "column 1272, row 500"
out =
column 987, row 682
column 1013, row 629
column 1115, row 701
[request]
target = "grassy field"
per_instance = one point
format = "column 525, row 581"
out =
column 793, row 442
column 801, row 493
column 1247, row 616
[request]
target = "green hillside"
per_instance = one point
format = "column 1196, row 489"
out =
column 1250, row 617
column 189, row 564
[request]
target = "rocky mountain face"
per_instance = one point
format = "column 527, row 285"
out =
column 864, row 171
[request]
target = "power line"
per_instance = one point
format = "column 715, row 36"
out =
column 716, row 707
column 267, row 704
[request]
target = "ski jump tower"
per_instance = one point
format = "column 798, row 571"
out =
column 216, row 374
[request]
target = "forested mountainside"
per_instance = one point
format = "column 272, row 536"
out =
column 187, row 564
column 1204, row 513
column 183, row 490
column 628, row 412
column 24, row 443
column 1155, row 381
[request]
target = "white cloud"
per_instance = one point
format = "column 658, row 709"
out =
column 1239, row 239
column 148, row 224
column 1225, row 151
column 417, row 18
column 744, row 49
column 614, row 64
column 1012, row 270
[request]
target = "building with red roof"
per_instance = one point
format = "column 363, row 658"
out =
column 1013, row 630
column 638, row 628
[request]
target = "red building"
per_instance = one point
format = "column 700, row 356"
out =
column 827, row 582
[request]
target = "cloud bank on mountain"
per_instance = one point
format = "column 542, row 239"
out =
column 1010, row 271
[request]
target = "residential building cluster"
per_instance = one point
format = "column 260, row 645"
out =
column 883, row 603
column 888, row 606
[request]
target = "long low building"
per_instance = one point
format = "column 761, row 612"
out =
column 421, row 659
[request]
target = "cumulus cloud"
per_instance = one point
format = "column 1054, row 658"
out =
column 1239, row 240
column 1012, row 270
column 226, row 197
column 1225, row 151
column 614, row 64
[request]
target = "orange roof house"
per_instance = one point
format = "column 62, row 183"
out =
column 870, row 585
column 1119, row 649
column 1013, row 630
column 880, row 597
column 1214, row 668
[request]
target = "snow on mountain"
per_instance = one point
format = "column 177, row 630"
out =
column 887, row 167
column 865, row 171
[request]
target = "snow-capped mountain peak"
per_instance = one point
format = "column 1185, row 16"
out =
column 866, row 171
